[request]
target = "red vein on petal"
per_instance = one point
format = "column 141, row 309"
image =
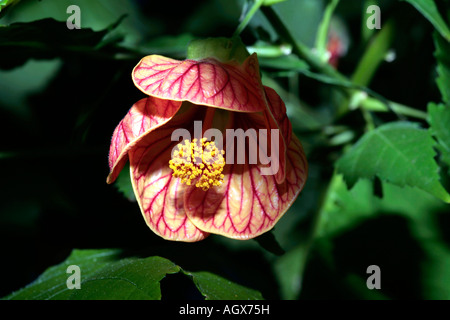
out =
column 263, row 195
column 257, row 195
column 278, row 110
column 160, row 196
column 159, row 205
column 143, row 117
column 228, row 216
column 228, row 86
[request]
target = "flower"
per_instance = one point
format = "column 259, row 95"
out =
column 338, row 41
column 187, row 190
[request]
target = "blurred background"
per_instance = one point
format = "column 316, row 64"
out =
column 62, row 93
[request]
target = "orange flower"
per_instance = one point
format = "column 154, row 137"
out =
column 189, row 189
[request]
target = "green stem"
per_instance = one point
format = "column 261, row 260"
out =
column 366, row 33
column 375, row 105
column 316, row 221
column 299, row 48
column 255, row 7
column 374, row 55
column 370, row 104
column 370, row 125
column 322, row 32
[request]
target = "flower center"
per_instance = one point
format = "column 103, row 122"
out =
column 199, row 161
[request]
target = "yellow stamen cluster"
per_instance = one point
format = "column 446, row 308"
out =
column 198, row 160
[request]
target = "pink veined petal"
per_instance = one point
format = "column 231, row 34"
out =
column 277, row 119
column 278, row 110
column 280, row 154
column 144, row 116
column 248, row 203
column 160, row 196
column 207, row 82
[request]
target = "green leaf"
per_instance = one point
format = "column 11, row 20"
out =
column 214, row 287
column 123, row 183
column 442, row 55
column 6, row 3
column 398, row 152
column 105, row 274
column 289, row 271
column 127, row 279
column 374, row 55
column 344, row 209
column 290, row 62
column 269, row 243
column 347, row 211
column 439, row 120
column 436, row 275
column 430, row 11
column 95, row 15
column 52, row 283
column 168, row 45
column 48, row 39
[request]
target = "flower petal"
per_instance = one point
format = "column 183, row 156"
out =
column 277, row 119
column 144, row 116
column 207, row 82
column 160, row 196
column 278, row 110
column 248, row 203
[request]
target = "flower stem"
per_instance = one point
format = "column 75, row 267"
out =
column 250, row 13
column 322, row 32
column 375, row 105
